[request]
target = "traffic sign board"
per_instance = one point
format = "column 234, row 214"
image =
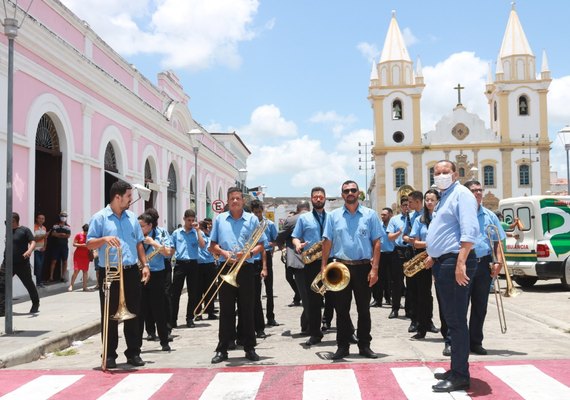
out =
column 218, row 206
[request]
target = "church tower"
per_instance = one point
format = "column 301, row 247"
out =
column 394, row 93
column 518, row 110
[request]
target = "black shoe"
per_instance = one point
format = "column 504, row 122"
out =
column 219, row 357
column 393, row 314
column 35, row 309
column 294, row 304
column 136, row 361
column 198, row 318
column 376, row 303
column 419, row 336
column 166, row 347
column 190, row 324
column 272, row 322
column 432, row 328
column 326, row 326
column 353, row 339
column 212, row 316
column 366, row 352
column 479, row 350
column 313, row 340
column 413, row 327
column 111, row 363
column 260, row 335
column 341, row 352
column 151, row 337
column 447, row 350
column 251, row 355
column 442, row 376
column 452, row 385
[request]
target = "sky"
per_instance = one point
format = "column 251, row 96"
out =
column 291, row 77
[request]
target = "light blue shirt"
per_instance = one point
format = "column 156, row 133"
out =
column 204, row 255
column 398, row 222
column 308, row 229
column 162, row 237
column 419, row 229
column 270, row 234
column 487, row 217
column 126, row 228
column 454, row 221
column 387, row 244
column 352, row 235
column 185, row 244
column 232, row 234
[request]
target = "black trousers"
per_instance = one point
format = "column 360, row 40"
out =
column 152, row 306
column 397, row 279
column 290, row 278
column 258, row 306
column 131, row 327
column 185, row 271
column 383, row 288
column 168, row 291
column 300, row 280
column 423, row 305
column 315, row 300
column 24, row 272
column 359, row 286
column 244, row 295
column 206, row 275
column 269, row 305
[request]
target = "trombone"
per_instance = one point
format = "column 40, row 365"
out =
column 113, row 273
column 233, row 267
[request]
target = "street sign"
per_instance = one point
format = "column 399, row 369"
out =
column 218, row 206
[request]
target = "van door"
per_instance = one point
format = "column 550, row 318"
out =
column 521, row 244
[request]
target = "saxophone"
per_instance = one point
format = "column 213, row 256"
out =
column 313, row 253
column 415, row 265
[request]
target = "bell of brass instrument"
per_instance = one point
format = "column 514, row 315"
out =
column 415, row 265
column 113, row 273
column 313, row 253
column 335, row 277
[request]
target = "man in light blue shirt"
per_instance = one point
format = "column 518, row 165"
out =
column 451, row 235
column 352, row 236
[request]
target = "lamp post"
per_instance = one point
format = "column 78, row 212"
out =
column 368, row 158
column 194, row 135
column 11, row 31
column 564, row 136
column 242, row 177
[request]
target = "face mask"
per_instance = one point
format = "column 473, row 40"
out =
column 443, row 181
column 63, row 219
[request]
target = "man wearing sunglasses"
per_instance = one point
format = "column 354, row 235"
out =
column 352, row 236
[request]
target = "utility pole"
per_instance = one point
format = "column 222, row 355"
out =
column 365, row 158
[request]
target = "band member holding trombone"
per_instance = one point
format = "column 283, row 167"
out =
column 352, row 236
column 116, row 226
column 231, row 231
column 481, row 282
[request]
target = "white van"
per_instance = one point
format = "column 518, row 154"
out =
column 540, row 248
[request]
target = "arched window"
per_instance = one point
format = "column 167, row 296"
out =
column 110, row 158
column 523, row 105
column 488, row 175
column 431, row 181
column 46, row 135
column 399, row 177
column 462, row 172
column 494, row 111
column 171, row 199
column 397, row 111
column 148, row 179
column 524, row 175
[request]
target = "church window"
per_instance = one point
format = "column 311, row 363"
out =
column 495, row 111
column 523, row 105
column 398, row 137
column 524, row 175
column 395, row 75
column 520, row 70
column 431, row 181
column 397, row 109
column 461, row 172
column 400, row 177
column 488, row 176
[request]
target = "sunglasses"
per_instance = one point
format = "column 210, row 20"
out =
column 476, row 190
column 351, row 190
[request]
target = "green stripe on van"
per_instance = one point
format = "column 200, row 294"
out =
column 520, row 257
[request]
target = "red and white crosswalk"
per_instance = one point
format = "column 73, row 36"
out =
column 490, row 380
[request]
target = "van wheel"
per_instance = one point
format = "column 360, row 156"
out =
column 566, row 275
column 526, row 281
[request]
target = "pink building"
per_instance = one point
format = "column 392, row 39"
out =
column 83, row 116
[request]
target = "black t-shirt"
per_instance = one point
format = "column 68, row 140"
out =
column 61, row 242
column 22, row 236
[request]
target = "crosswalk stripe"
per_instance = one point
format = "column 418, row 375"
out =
column 137, row 386
column 416, row 383
column 530, row 382
column 233, row 385
column 42, row 387
column 330, row 384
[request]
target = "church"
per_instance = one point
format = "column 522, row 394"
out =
column 510, row 158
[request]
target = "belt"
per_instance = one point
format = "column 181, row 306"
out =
column 185, row 261
column 354, row 262
column 480, row 259
column 130, row 266
column 404, row 247
column 448, row 255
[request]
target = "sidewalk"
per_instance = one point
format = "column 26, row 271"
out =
column 63, row 318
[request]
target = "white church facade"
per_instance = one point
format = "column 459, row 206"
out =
column 510, row 157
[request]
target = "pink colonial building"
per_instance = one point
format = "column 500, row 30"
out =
column 83, row 116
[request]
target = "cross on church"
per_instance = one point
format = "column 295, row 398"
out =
column 458, row 88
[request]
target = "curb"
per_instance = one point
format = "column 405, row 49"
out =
column 51, row 344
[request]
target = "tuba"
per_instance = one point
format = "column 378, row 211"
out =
column 404, row 190
column 313, row 253
column 415, row 265
column 335, row 277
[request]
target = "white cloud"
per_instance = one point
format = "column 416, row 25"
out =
column 336, row 122
column 368, row 50
column 187, row 33
column 558, row 101
column 267, row 122
column 439, row 98
column 409, row 37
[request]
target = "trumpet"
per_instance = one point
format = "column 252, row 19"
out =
column 113, row 273
column 335, row 277
column 233, row 266
column 415, row 265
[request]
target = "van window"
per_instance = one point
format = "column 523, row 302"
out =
column 509, row 217
column 524, row 215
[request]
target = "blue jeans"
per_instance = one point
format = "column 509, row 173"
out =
column 38, row 265
column 455, row 302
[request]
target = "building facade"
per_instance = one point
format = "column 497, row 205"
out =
column 511, row 158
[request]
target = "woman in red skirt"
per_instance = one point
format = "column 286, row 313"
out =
column 80, row 258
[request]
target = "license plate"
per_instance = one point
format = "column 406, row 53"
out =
column 518, row 272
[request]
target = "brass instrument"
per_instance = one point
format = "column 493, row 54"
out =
column 313, row 253
column 415, row 265
column 150, row 256
column 335, row 277
column 113, row 273
column 233, row 267
column 404, row 190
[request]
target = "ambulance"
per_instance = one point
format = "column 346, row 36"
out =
column 538, row 245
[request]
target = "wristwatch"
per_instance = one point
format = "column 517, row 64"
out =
column 251, row 254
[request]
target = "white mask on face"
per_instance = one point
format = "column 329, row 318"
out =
column 63, row 219
column 443, row 181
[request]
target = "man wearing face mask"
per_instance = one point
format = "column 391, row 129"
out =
column 450, row 238
column 59, row 250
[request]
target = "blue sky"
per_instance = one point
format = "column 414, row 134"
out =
column 291, row 77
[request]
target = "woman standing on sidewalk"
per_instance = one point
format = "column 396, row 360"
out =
column 80, row 257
